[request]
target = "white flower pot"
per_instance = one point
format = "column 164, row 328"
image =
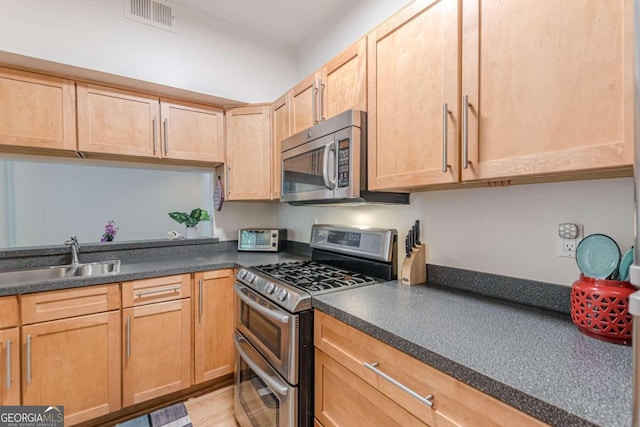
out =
column 191, row 233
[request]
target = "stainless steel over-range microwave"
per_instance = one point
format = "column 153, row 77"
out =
column 327, row 164
column 262, row 239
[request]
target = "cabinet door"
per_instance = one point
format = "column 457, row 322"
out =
column 249, row 153
column 9, row 367
column 304, row 104
column 344, row 81
column 73, row 362
column 112, row 121
column 213, row 324
column 192, row 132
column 282, row 121
column 37, row 111
column 343, row 399
column 412, row 74
column 550, row 86
column 156, row 350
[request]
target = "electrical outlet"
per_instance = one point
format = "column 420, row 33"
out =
column 568, row 237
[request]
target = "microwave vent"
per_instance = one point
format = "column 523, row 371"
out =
column 157, row 13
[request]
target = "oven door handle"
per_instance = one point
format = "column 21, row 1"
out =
column 280, row 318
column 268, row 379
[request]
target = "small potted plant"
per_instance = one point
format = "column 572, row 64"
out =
column 110, row 231
column 190, row 221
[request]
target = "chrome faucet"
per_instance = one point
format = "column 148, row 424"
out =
column 73, row 243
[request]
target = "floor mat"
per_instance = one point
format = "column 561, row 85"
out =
column 171, row 416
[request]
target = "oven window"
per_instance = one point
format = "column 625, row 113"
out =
column 304, row 172
column 264, row 329
column 260, row 404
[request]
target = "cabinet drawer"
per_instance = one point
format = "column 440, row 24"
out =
column 168, row 288
column 45, row 306
column 8, row 312
column 453, row 400
column 343, row 399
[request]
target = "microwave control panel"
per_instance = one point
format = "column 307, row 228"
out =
column 343, row 163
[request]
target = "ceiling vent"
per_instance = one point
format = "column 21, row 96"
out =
column 157, row 13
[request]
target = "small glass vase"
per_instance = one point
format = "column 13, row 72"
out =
column 191, row 233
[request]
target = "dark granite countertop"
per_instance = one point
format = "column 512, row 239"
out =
column 142, row 268
column 530, row 358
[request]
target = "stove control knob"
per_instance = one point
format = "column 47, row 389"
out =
column 269, row 287
column 242, row 274
column 282, row 294
column 250, row 277
column 273, row 244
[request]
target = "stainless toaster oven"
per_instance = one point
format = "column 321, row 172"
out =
column 262, row 239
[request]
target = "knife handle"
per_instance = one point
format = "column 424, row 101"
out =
column 417, row 228
column 407, row 246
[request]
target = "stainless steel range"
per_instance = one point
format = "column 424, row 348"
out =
column 274, row 320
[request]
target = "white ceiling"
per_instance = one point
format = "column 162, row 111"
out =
column 285, row 21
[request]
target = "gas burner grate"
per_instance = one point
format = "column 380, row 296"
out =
column 315, row 277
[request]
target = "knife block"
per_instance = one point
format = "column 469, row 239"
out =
column 414, row 267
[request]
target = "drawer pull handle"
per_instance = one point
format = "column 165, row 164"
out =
column 157, row 291
column 8, row 364
column 374, row 367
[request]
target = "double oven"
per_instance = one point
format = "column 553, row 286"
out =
column 274, row 320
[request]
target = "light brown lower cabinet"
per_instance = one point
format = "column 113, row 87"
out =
column 347, row 392
column 344, row 399
column 70, row 351
column 213, row 320
column 9, row 367
column 73, row 362
column 9, row 352
column 156, row 350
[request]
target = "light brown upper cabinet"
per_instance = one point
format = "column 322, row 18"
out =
column 119, row 122
column 346, row 81
column 249, row 153
column 113, row 121
column 339, row 85
column 549, row 87
column 192, row 132
column 281, row 130
column 413, row 97
column 37, row 111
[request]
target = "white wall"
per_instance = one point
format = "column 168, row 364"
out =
column 340, row 30
column 236, row 215
column 509, row 230
column 206, row 55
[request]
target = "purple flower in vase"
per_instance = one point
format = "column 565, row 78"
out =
column 110, row 231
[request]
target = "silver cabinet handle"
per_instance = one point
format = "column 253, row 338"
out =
column 8, row 364
column 28, row 359
column 283, row 319
column 157, row 291
column 268, row 380
column 128, row 337
column 200, row 302
column 445, row 135
column 314, row 105
column 166, row 136
column 155, row 136
column 465, row 132
column 321, row 94
column 426, row 400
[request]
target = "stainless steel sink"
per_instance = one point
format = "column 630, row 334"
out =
column 97, row 268
column 39, row 274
